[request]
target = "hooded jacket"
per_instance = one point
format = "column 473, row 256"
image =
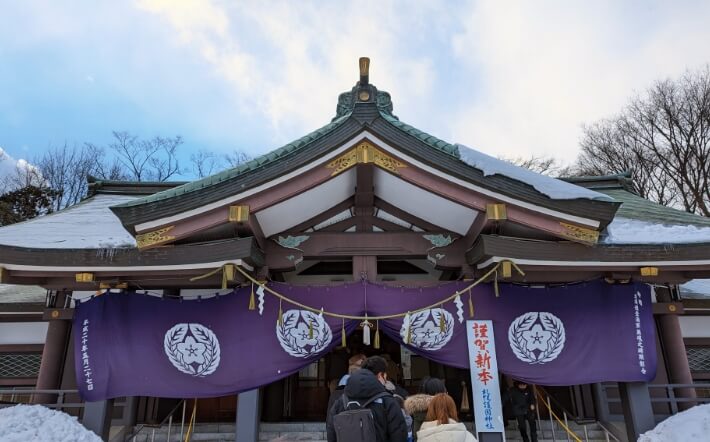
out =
column 417, row 406
column 451, row 432
column 389, row 421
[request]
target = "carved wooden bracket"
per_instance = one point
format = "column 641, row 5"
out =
column 154, row 238
column 579, row 234
column 364, row 153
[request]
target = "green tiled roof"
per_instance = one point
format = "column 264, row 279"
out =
column 346, row 105
column 238, row 170
column 431, row 140
column 636, row 207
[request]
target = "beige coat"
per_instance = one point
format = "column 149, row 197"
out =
column 451, row 432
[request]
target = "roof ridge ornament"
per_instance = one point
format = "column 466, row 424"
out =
column 364, row 71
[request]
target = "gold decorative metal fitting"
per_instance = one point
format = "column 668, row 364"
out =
column 84, row 277
column 496, row 212
column 649, row 271
column 155, row 237
column 365, row 153
column 580, row 234
column 113, row 285
column 364, row 66
column 507, row 268
column 238, row 214
column 3, row 274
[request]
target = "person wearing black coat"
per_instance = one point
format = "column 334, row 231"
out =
column 389, row 420
column 522, row 401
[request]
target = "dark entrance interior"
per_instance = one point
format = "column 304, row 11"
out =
column 304, row 395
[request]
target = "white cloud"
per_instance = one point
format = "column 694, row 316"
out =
column 548, row 67
column 289, row 60
column 13, row 171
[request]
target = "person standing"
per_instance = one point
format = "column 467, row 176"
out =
column 354, row 363
column 522, row 401
column 441, row 423
column 417, row 405
column 366, row 387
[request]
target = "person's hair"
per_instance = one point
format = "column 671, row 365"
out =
column 432, row 386
column 441, row 409
column 355, row 362
column 376, row 364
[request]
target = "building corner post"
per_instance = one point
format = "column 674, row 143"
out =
column 638, row 411
column 97, row 417
column 248, row 416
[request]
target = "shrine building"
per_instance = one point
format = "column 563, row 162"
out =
column 367, row 206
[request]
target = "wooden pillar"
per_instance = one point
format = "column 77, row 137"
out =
column 53, row 354
column 365, row 267
column 248, row 416
column 674, row 351
column 638, row 412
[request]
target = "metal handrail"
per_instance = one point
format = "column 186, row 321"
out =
column 559, row 421
column 546, row 400
column 168, row 419
column 608, row 432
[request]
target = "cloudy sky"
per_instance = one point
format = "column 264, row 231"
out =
column 508, row 78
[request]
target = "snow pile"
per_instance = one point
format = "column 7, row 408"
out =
column 697, row 288
column 87, row 225
column 552, row 187
column 688, row 426
column 21, row 293
column 633, row 231
column 24, row 423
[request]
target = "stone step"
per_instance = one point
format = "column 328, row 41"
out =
column 316, row 431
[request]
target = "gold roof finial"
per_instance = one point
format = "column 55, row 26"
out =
column 364, row 71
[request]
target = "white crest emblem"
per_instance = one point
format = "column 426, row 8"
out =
column 297, row 337
column 426, row 332
column 537, row 337
column 192, row 348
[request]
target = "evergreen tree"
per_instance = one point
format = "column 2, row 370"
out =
column 25, row 203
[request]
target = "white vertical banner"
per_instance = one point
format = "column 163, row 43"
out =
column 487, row 408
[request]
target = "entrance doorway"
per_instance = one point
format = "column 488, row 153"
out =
column 304, row 396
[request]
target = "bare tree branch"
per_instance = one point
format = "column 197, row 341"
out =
column 663, row 138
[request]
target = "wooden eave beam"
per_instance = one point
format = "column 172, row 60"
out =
column 331, row 245
column 260, row 201
column 324, row 216
column 406, row 216
column 558, row 227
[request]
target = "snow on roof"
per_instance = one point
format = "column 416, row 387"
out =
column 552, row 187
column 21, row 293
column 87, row 225
column 697, row 288
column 690, row 425
column 633, row 231
column 23, row 423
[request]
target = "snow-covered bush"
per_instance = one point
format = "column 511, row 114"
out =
column 25, row 423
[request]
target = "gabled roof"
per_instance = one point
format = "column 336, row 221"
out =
column 640, row 221
column 362, row 110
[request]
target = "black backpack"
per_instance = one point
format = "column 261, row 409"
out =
column 356, row 423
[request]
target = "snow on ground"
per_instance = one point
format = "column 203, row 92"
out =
column 24, row 423
column 87, row 225
column 633, row 231
column 689, row 426
column 552, row 187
